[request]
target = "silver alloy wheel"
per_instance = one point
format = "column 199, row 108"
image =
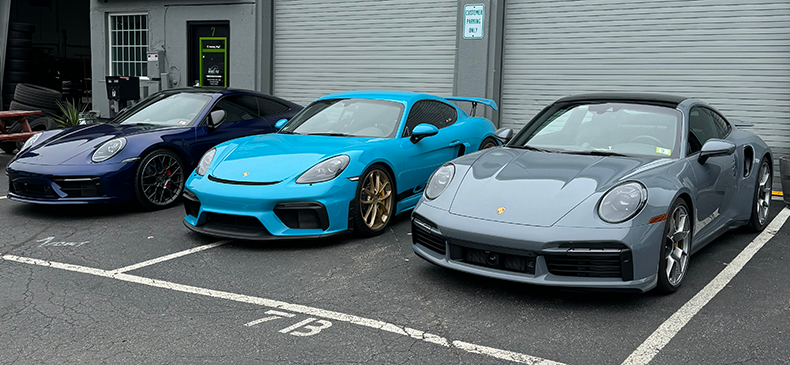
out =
column 763, row 192
column 678, row 244
column 162, row 179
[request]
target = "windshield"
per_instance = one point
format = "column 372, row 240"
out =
column 605, row 129
column 167, row 109
column 348, row 117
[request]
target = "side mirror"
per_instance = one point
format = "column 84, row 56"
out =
column 423, row 130
column 215, row 118
column 715, row 147
column 280, row 124
column 504, row 135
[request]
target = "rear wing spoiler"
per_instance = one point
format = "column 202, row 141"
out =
column 740, row 124
column 474, row 101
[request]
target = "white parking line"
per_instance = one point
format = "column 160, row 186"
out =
column 168, row 257
column 296, row 308
column 661, row 336
column 3, row 197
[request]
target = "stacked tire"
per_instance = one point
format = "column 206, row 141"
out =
column 33, row 97
column 19, row 59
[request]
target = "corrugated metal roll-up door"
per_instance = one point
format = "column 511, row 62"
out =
column 328, row 46
column 733, row 54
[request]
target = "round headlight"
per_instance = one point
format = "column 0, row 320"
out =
column 205, row 162
column 622, row 202
column 439, row 181
column 109, row 149
column 30, row 141
column 325, row 170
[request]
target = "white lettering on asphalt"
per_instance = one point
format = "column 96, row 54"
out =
column 3, row 197
column 664, row 333
column 297, row 308
column 169, row 257
column 277, row 315
column 312, row 330
column 50, row 242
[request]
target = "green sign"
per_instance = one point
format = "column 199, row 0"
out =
column 214, row 61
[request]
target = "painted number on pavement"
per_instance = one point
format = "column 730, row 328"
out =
column 307, row 327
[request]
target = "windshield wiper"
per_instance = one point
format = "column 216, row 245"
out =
column 287, row 132
column 526, row 147
column 594, row 153
column 329, row 134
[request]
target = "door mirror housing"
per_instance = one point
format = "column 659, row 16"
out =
column 423, row 130
column 215, row 118
column 280, row 124
column 504, row 135
column 715, row 147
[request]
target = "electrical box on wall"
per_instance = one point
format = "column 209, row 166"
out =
column 156, row 64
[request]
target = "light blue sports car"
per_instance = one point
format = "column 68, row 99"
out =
column 348, row 161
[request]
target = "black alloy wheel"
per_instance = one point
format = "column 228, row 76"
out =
column 159, row 180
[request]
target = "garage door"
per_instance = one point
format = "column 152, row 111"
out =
column 733, row 54
column 329, row 46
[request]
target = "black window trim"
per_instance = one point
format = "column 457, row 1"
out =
column 406, row 121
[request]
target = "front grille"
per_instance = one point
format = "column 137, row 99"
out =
column 191, row 203
column 423, row 236
column 236, row 182
column 307, row 215
column 499, row 260
column 87, row 187
column 233, row 220
column 604, row 264
column 32, row 189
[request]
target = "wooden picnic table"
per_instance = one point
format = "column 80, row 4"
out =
column 16, row 116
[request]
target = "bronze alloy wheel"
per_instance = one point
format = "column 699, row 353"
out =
column 375, row 200
column 488, row 143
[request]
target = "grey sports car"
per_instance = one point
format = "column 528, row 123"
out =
column 598, row 191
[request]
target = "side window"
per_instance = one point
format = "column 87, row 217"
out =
column 430, row 112
column 238, row 108
column 701, row 128
column 268, row 107
column 722, row 127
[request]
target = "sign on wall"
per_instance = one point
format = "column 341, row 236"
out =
column 473, row 21
column 213, row 61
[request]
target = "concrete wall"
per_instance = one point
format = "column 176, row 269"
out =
column 167, row 31
column 5, row 10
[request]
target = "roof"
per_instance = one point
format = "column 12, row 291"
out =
column 638, row 98
column 406, row 96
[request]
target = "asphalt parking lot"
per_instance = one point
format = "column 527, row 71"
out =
column 112, row 284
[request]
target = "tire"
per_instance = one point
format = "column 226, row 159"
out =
column 762, row 197
column 18, row 76
column 22, row 27
column 18, row 65
column 19, row 53
column 37, row 96
column 15, row 34
column 42, row 124
column 488, row 142
column 9, row 88
column 373, row 212
column 675, row 248
column 159, row 180
column 20, row 42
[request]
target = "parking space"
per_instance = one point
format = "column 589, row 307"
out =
column 343, row 300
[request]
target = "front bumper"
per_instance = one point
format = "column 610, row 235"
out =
column 623, row 258
column 69, row 184
column 269, row 212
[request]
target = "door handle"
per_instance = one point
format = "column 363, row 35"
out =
column 455, row 143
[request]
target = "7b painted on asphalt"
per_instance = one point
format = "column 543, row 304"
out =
column 305, row 326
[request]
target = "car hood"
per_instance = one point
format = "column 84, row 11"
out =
column 277, row 157
column 76, row 141
column 535, row 188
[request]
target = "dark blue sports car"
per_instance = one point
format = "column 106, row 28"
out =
column 145, row 154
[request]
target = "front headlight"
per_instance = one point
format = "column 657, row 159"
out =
column 622, row 202
column 325, row 170
column 205, row 162
column 109, row 149
column 439, row 181
column 30, row 141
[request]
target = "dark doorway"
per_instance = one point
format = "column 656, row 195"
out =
column 209, row 66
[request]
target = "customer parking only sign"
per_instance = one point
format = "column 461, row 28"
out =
column 473, row 21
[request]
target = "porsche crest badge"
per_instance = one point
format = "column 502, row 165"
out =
column 500, row 210
column 245, row 174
